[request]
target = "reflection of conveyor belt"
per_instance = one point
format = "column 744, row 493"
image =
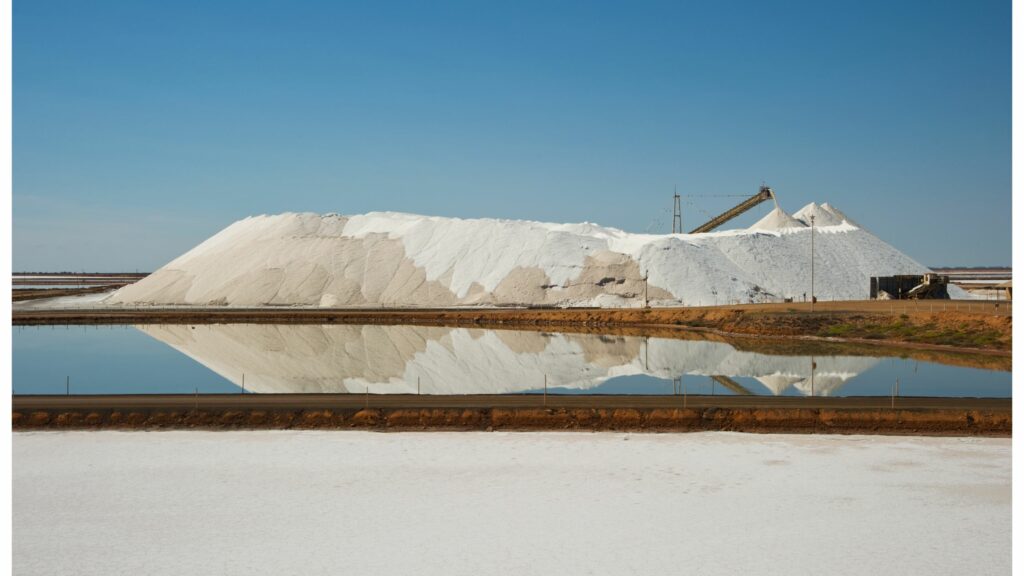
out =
column 733, row 385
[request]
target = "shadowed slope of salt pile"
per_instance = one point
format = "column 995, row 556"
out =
column 838, row 213
column 394, row 259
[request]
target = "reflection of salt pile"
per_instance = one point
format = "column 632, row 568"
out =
column 390, row 359
column 825, row 383
column 778, row 383
column 386, row 258
column 669, row 358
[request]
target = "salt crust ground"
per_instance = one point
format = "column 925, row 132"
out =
column 507, row 503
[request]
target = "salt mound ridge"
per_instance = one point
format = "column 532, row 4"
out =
column 396, row 259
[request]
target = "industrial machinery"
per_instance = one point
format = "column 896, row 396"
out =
column 910, row 287
column 765, row 193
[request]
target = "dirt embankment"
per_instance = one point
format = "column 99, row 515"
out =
column 834, row 421
column 21, row 294
column 970, row 326
column 987, row 360
column 677, row 413
column 951, row 329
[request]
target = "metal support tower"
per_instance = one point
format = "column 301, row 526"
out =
column 677, row 214
column 812, row 271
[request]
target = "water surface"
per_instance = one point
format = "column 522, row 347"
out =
column 267, row 358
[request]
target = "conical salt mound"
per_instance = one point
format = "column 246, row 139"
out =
column 838, row 214
column 822, row 217
column 777, row 219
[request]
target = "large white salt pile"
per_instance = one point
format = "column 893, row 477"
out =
column 393, row 259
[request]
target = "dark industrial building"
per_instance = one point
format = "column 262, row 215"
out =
column 909, row 287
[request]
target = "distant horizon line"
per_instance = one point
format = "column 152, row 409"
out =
column 135, row 272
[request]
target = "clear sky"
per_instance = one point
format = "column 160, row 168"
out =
column 143, row 127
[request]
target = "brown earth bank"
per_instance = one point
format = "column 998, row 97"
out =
column 964, row 326
column 22, row 294
column 921, row 416
column 987, row 360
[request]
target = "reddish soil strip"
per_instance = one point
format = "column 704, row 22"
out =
column 951, row 325
column 20, row 294
column 939, row 416
column 113, row 281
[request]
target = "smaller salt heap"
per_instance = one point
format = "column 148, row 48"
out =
column 776, row 220
column 838, row 214
column 824, row 215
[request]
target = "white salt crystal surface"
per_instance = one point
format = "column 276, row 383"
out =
column 316, row 502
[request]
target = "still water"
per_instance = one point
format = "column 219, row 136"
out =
column 283, row 359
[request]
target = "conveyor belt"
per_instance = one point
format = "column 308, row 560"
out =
column 765, row 193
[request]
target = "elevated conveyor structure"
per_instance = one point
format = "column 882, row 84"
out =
column 765, row 193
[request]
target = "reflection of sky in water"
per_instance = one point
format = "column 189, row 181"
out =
column 123, row 360
column 104, row 360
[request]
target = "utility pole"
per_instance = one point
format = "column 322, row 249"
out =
column 812, row 262
column 814, row 366
column 677, row 213
column 646, row 305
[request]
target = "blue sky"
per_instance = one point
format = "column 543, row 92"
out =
column 140, row 128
